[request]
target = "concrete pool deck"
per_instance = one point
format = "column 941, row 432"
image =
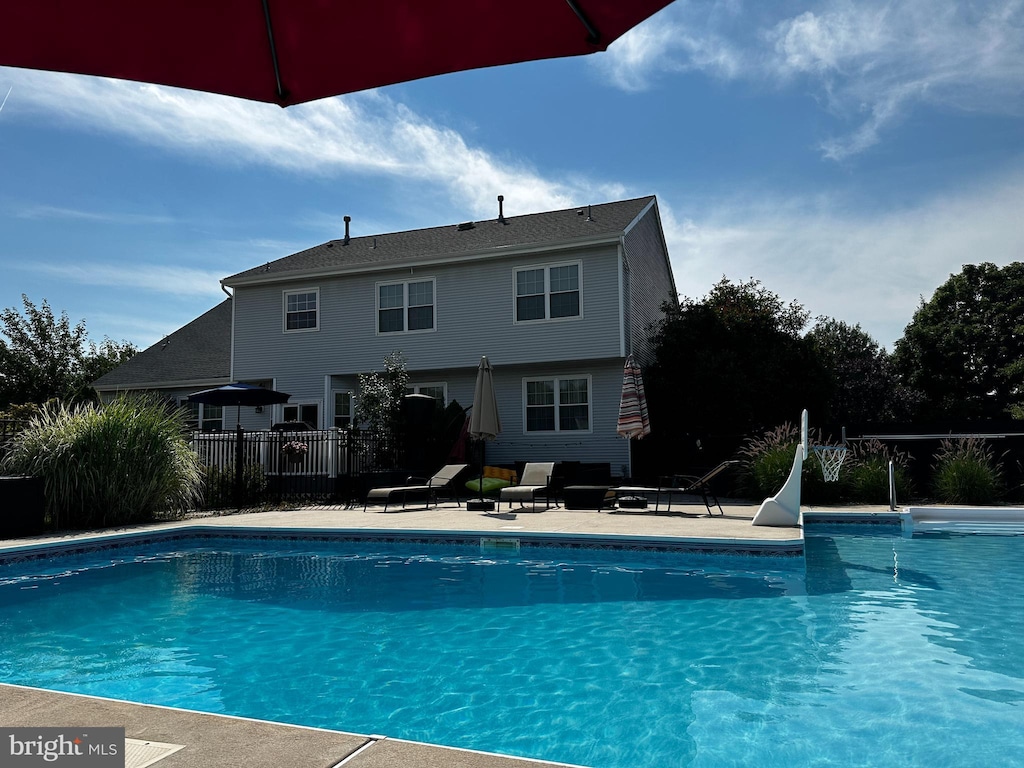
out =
column 211, row 741
column 689, row 522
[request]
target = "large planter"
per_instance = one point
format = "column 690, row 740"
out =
column 23, row 510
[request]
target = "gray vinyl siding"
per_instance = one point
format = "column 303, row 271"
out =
column 600, row 444
column 648, row 280
column 474, row 304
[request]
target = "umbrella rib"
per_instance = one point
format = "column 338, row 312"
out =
column 595, row 36
column 281, row 93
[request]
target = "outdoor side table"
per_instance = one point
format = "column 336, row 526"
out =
column 585, row 496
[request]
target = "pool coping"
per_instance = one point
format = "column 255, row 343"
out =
column 214, row 739
column 11, row 553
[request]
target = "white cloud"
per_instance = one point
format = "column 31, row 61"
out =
column 156, row 278
column 106, row 217
column 868, row 270
column 365, row 133
column 661, row 45
column 868, row 62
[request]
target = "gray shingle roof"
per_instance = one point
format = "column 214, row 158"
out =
column 582, row 223
column 200, row 351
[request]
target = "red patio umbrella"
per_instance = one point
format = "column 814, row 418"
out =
column 292, row 51
column 633, row 421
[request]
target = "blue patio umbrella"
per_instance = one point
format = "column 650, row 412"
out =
column 239, row 394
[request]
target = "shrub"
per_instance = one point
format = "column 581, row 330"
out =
column 767, row 461
column 966, row 472
column 108, row 465
column 867, row 472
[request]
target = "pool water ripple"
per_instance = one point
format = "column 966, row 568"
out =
column 887, row 652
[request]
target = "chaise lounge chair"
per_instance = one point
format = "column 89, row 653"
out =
column 701, row 485
column 442, row 481
column 681, row 484
column 534, row 483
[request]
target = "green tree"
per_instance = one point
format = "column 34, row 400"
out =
column 863, row 387
column 964, row 348
column 730, row 364
column 44, row 357
column 380, row 396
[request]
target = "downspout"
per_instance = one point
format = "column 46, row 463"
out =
column 231, row 361
column 621, row 262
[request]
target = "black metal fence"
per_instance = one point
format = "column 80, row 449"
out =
column 8, row 429
column 331, row 466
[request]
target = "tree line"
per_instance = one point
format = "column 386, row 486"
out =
column 44, row 357
column 740, row 361
column 737, row 361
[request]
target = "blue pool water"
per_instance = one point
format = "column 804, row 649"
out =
column 888, row 651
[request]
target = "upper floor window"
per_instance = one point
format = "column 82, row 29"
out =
column 302, row 310
column 557, row 405
column 405, row 306
column 548, row 293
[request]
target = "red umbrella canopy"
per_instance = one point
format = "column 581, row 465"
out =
column 292, row 51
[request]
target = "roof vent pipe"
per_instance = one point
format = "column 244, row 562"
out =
column 347, row 220
column 501, row 209
column 589, row 217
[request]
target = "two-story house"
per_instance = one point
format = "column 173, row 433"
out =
column 555, row 300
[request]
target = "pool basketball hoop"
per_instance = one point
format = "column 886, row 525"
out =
column 831, row 458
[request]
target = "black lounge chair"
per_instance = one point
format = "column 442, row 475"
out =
column 702, row 485
column 428, row 489
column 680, row 485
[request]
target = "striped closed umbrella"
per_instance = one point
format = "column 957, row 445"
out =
column 633, row 420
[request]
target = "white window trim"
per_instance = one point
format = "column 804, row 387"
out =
column 557, row 430
column 299, row 403
column 416, row 386
column 405, row 305
column 284, row 309
column 200, row 415
column 352, row 403
column 547, row 293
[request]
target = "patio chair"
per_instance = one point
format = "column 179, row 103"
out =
column 694, row 484
column 535, row 482
column 418, row 488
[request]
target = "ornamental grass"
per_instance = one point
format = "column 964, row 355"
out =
column 966, row 471
column 124, row 462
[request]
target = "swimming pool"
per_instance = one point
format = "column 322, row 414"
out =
column 887, row 651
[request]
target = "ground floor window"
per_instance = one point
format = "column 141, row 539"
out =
column 342, row 409
column 206, row 418
column 435, row 389
column 305, row 412
column 557, row 404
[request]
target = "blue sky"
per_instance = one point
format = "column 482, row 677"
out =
column 850, row 155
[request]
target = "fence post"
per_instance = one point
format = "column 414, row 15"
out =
column 239, row 457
